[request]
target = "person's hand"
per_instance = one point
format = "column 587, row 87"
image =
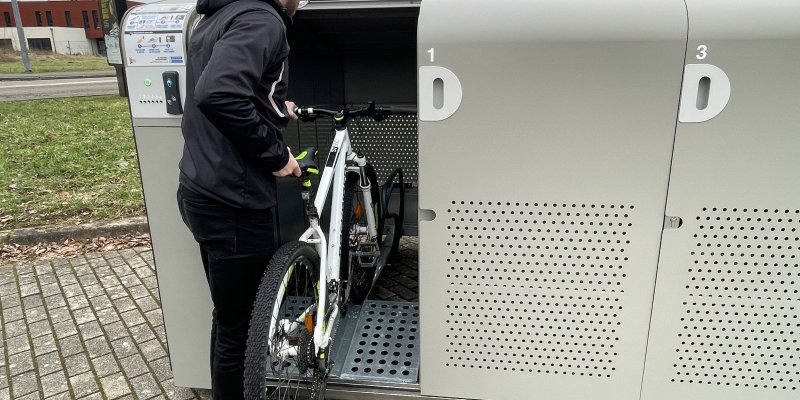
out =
column 290, row 106
column 291, row 168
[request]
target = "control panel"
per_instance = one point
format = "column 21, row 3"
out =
column 154, row 47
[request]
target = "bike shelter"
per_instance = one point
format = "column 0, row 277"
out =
column 604, row 193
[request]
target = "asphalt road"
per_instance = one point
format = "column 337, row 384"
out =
column 53, row 88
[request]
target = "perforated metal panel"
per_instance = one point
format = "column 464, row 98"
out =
column 536, row 287
column 388, row 145
column 294, row 306
column 750, row 253
column 736, row 312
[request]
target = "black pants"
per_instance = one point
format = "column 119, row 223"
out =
column 235, row 246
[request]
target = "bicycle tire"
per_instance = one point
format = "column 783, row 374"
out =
column 359, row 278
column 259, row 362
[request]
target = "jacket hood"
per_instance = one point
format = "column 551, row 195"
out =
column 208, row 7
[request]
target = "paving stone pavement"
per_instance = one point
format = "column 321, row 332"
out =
column 90, row 327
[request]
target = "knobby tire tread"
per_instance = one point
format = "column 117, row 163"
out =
column 255, row 364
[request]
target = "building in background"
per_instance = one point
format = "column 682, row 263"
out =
column 63, row 27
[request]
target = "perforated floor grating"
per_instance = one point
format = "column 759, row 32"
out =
column 385, row 344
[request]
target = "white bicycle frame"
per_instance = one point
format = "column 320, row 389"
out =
column 329, row 269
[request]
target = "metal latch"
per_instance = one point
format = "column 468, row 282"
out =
column 672, row 222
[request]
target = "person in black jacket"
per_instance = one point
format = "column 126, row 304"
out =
column 234, row 116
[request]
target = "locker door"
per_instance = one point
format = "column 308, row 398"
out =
column 726, row 318
column 545, row 140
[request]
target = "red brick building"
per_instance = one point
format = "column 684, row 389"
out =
column 67, row 27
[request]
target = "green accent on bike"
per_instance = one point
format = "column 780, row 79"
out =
column 339, row 118
column 322, row 356
column 313, row 171
column 288, row 276
column 301, row 155
column 307, row 183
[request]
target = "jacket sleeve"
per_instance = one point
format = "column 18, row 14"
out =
column 227, row 86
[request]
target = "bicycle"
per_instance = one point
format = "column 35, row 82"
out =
column 310, row 282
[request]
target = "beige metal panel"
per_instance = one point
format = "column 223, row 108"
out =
column 183, row 289
column 726, row 317
column 548, row 184
column 185, row 299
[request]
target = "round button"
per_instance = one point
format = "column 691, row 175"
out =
column 148, row 82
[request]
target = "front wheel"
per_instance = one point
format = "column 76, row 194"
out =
column 280, row 343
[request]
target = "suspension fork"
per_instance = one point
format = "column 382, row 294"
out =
column 359, row 163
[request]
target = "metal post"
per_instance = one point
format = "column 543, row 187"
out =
column 53, row 37
column 23, row 43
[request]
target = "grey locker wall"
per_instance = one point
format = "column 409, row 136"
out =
column 726, row 319
column 548, row 187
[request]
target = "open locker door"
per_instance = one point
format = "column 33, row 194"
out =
column 545, row 141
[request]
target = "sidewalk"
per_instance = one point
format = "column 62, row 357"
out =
column 90, row 327
column 57, row 75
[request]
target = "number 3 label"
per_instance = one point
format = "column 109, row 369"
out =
column 702, row 52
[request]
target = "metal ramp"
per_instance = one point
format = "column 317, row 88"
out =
column 376, row 354
column 379, row 342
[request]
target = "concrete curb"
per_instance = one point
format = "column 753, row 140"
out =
column 47, row 234
column 43, row 76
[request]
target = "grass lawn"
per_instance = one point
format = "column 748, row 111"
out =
column 67, row 161
column 11, row 63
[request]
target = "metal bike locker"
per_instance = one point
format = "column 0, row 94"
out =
column 626, row 223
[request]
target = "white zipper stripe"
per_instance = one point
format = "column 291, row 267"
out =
column 272, row 92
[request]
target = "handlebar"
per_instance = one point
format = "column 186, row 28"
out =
column 378, row 113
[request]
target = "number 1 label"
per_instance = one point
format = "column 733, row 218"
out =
column 431, row 52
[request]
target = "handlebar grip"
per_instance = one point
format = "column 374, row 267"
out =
column 305, row 114
column 306, row 161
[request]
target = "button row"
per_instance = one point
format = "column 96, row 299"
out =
column 151, row 100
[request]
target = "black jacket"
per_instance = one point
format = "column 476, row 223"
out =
column 234, row 114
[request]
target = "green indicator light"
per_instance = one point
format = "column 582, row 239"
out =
column 148, row 82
